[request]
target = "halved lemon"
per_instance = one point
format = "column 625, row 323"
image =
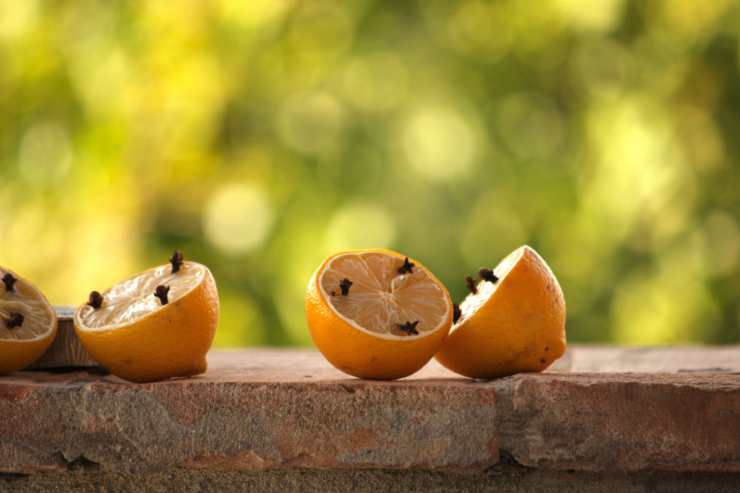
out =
column 376, row 313
column 156, row 325
column 513, row 322
column 28, row 323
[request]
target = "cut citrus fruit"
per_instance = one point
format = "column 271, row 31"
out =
column 376, row 313
column 28, row 324
column 513, row 321
column 156, row 325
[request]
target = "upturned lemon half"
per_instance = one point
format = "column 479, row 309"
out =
column 513, row 322
column 28, row 323
column 377, row 314
column 156, row 325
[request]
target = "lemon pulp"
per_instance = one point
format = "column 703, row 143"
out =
column 381, row 299
column 133, row 299
column 38, row 316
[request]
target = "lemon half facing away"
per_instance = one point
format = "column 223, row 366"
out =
column 513, row 321
column 377, row 314
column 28, row 323
column 156, row 325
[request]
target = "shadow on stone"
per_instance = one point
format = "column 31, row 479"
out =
column 80, row 463
column 507, row 466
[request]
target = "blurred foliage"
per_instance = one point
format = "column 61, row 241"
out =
column 261, row 136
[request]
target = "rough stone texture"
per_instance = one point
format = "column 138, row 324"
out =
column 253, row 410
column 666, row 359
column 670, row 417
column 506, row 479
column 622, row 422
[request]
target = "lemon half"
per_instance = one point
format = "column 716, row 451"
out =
column 515, row 324
column 156, row 325
column 28, row 323
column 376, row 313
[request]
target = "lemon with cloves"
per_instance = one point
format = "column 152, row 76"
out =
column 158, row 324
column 28, row 323
column 376, row 313
column 512, row 321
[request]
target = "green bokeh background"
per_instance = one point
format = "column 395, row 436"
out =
column 261, row 136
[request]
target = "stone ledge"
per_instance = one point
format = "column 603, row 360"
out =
column 260, row 410
column 505, row 479
column 622, row 422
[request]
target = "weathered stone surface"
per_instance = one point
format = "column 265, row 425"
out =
column 266, row 410
column 505, row 479
column 666, row 359
column 253, row 410
column 622, row 422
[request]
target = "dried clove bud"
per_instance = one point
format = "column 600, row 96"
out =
column 15, row 320
column 407, row 267
column 470, row 282
column 176, row 261
column 409, row 328
column 456, row 313
column 9, row 281
column 488, row 275
column 161, row 292
column 344, row 285
column 95, row 300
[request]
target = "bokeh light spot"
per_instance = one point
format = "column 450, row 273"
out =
column 670, row 305
column 639, row 167
column 17, row 17
column 253, row 13
column 439, row 143
column 360, row 225
column 238, row 218
column 601, row 16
